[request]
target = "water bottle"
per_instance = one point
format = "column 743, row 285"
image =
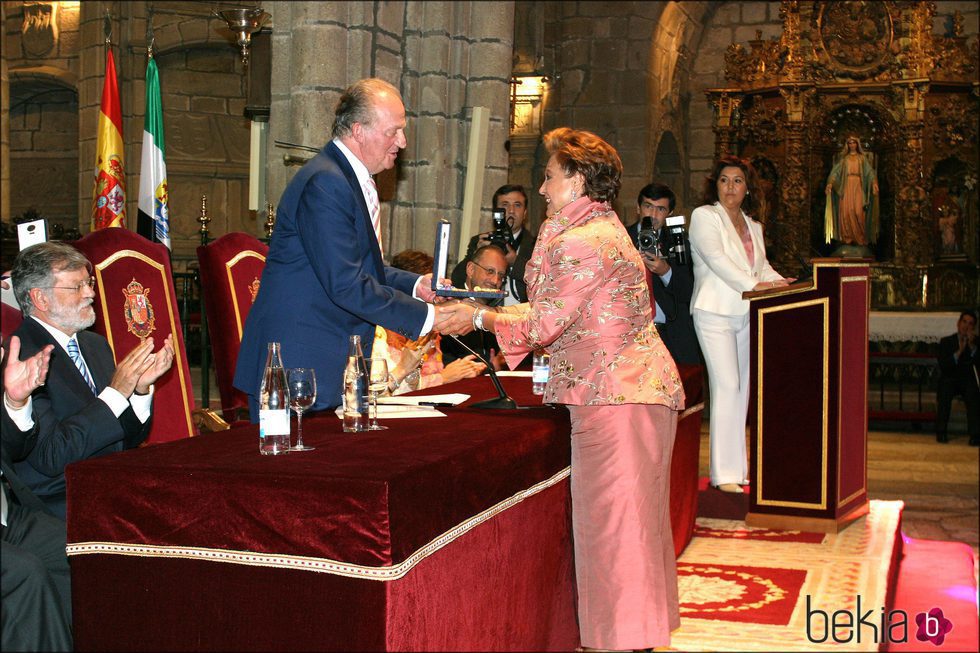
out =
column 273, row 405
column 541, row 370
column 355, row 388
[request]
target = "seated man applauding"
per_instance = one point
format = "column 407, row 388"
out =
column 89, row 406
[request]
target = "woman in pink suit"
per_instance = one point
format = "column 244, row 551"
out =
column 729, row 256
column 589, row 307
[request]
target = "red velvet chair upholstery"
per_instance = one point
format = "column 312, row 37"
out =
column 231, row 268
column 686, row 458
column 136, row 299
column 10, row 319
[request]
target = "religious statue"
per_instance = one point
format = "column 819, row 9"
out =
column 949, row 216
column 851, row 213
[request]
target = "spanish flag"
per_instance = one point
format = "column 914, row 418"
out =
column 109, row 196
column 153, row 219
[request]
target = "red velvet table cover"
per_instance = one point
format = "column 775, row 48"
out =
column 358, row 508
column 369, row 499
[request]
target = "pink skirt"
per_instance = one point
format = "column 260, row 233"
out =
column 624, row 552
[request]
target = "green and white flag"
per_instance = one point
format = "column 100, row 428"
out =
column 154, row 211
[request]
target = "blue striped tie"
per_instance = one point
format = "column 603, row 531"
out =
column 76, row 357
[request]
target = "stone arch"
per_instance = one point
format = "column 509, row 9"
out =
column 667, row 166
column 43, row 122
column 676, row 37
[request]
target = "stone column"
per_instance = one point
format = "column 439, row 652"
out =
column 318, row 49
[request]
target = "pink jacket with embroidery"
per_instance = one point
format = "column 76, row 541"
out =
column 589, row 307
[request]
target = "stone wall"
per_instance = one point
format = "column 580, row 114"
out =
column 730, row 22
column 598, row 55
column 203, row 95
column 445, row 57
column 40, row 112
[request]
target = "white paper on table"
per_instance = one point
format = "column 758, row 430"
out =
column 392, row 412
column 455, row 399
column 521, row 373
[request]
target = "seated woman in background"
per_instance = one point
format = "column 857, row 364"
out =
column 417, row 364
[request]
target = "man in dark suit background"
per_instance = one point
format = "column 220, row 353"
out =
column 89, row 406
column 671, row 285
column 512, row 198
column 324, row 278
column 958, row 363
column 36, row 580
column 486, row 268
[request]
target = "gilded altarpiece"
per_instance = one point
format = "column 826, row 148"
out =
column 874, row 72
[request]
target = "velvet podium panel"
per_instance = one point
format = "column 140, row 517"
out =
column 808, row 441
column 135, row 299
column 231, row 268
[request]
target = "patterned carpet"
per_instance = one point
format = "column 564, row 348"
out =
column 746, row 589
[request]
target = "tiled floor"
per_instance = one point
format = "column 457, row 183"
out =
column 939, row 483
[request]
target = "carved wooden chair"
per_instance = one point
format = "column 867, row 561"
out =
column 231, row 268
column 135, row 300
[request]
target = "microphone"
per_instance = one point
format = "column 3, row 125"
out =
column 502, row 401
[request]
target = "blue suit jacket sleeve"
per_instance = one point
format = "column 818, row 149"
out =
column 327, row 224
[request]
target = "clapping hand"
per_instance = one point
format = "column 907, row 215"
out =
column 162, row 360
column 22, row 377
column 131, row 368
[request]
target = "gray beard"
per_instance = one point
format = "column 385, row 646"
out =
column 71, row 322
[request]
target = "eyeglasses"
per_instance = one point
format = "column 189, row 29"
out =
column 90, row 283
column 492, row 272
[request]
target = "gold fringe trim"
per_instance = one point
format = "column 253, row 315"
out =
column 320, row 565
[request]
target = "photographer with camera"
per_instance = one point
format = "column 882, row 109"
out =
column 662, row 242
column 508, row 235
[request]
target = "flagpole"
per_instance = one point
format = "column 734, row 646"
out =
column 109, row 185
column 153, row 218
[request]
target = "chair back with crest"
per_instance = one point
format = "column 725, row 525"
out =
column 136, row 299
column 231, row 268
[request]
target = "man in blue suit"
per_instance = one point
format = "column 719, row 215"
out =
column 324, row 278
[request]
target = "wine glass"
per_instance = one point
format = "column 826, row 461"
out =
column 377, row 383
column 302, row 394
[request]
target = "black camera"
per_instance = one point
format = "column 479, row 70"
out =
column 501, row 235
column 647, row 239
column 669, row 243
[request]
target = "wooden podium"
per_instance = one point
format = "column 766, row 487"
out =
column 808, row 421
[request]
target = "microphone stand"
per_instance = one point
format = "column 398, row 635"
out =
column 502, row 401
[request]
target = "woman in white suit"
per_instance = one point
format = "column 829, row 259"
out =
column 729, row 258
